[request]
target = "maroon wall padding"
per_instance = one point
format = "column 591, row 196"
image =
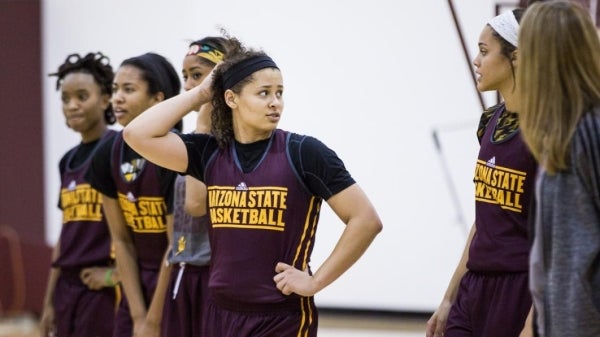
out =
column 21, row 152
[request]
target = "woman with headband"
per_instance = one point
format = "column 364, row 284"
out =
column 265, row 189
column 488, row 294
column 189, row 253
column 137, row 196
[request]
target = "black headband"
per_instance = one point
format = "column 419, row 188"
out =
column 246, row 68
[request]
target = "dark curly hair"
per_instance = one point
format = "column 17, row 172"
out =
column 221, row 116
column 95, row 64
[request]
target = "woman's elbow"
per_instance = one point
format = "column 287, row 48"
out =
column 129, row 135
column 194, row 209
column 375, row 225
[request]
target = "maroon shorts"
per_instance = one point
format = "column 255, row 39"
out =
column 185, row 310
column 123, row 321
column 221, row 322
column 77, row 308
column 491, row 305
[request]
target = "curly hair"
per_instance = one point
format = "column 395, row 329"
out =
column 221, row 116
column 95, row 64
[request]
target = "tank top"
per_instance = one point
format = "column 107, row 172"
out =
column 144, row 207
column 258, row 219
column 84, row 238
column 504, row 183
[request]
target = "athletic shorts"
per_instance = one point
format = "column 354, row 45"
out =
column 185, row 308
column 123, row 321
column 77, row 308
column 228, row 322
column 490, row 305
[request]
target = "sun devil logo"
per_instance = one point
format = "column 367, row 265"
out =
column 131, row 170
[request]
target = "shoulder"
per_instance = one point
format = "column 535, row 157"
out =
column 485, row 118
column 194, row 137
column 305, row 144
column 312, row 155
column 105, row 146
column 62, row 164
column 102, row 157
column 587, row 133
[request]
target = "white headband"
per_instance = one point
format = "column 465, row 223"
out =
column 507, row 26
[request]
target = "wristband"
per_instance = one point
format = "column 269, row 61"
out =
column 108, row 278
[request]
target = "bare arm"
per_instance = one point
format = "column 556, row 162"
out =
column 154, row 316
column 195, row 196
column 362, row 225
column 437, row 323
column 528, row 327
column 195, row 190
column 149, row 133
column 47, row 322
column 126, row 259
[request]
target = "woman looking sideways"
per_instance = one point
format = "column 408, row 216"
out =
column 261, row 282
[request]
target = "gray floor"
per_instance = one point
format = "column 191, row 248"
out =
column 334, row 325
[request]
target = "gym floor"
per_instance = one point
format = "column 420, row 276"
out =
column 330, row 325
column 333, row 324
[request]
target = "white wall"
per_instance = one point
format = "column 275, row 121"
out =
column 371, row 79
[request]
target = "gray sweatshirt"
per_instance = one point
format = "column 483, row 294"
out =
column 565, row 259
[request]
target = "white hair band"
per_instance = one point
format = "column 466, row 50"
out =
column 506, row 25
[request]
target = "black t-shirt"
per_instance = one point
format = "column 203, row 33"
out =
column 319, row 167
column 82, row 152
column 101, row 178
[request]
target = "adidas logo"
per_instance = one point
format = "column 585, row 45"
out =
column 492, row 162
column 130, row 197
column 241, row 187
column 72, row 185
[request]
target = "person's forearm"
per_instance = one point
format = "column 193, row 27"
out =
column 52, row 277
column 195, row 197
column 355, row 240
column 203, row 121
column 154, row 316
column 130, row 279
column 155, row 310
column 158, row 120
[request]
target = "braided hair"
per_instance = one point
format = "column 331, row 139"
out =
column 95, row 64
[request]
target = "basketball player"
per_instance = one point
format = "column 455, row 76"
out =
column 265, row 188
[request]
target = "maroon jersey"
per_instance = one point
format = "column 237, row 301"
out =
column 84, row 238
column 258, row 218
column 143, row 204
column 504, row 181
